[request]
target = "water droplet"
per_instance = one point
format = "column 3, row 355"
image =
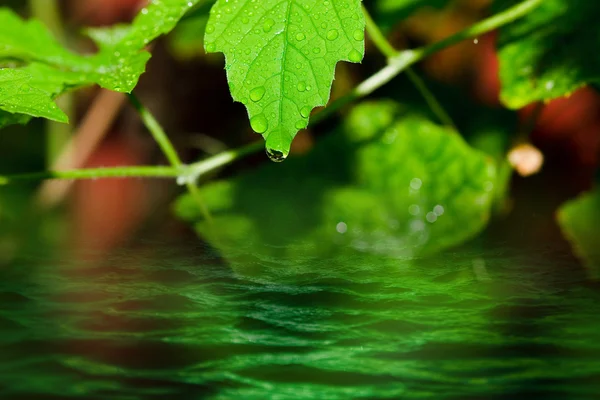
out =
column 300, row 37
column 259, row 123
column 332, row 34
column 355, row 56
column 316, row 50
column 257, row 93
column 431, row 217
column 268, row 25
column 210, row 28
column 210, row 47
column 276, row 155
column 301, row 124
column 301, row 86
column 305, row 111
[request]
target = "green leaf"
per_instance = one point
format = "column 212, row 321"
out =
column 393, row 185
column 281, row 57
column 18, row 96
column 551, row 52
column 117, row 66
column 580, row 221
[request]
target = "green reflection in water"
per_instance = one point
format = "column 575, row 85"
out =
column 465, row 325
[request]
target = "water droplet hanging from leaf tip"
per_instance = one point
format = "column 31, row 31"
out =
column 276, row 155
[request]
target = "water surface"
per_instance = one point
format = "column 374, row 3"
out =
column 475, row 323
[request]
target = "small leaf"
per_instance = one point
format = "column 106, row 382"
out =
column 580, row 222
column 281, row 57
column 398, row 186
column 551, row 52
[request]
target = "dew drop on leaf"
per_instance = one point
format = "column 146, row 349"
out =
column 257, row 93
column 358, row 35
column 276, row 155
column 332, row 34
column 259, row 123
column 305, row 111
column 355, row 56
column 268, row 25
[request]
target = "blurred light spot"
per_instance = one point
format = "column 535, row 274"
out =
column 549, row 85
column 416, row 184
column 526, row 159
column 341, row 227
column 438, row 210
column 431, row 217
column 414, row 209
column 417, row 225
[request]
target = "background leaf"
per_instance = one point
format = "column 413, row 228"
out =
column 580, row 221
column 549, row 53
column 281, row 58
column 386, row 184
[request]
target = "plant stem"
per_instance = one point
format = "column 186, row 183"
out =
column 95, row 173
column 160, row 136
column 400, row 62
column 389, row 51
column 157, row 131
column 198, row 169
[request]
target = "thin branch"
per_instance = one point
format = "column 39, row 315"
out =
column 389, row 51
column 168, row 149
column 96, row 173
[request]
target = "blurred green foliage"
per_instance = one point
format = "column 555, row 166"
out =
column 387, row 182
column 549, row 53
column 580, row 221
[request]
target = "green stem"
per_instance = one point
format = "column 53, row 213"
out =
column 160, row 136
column 389, row 51
column 397, row 64
column 197, row 170
column 96, row 173
column 157, row 131
column 483, row 27
column 406, row 58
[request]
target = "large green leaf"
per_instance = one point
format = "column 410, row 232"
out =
column 281, row 57
column 393, row 185
column 117, row 65
column 551, row 52
column 580, row 221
